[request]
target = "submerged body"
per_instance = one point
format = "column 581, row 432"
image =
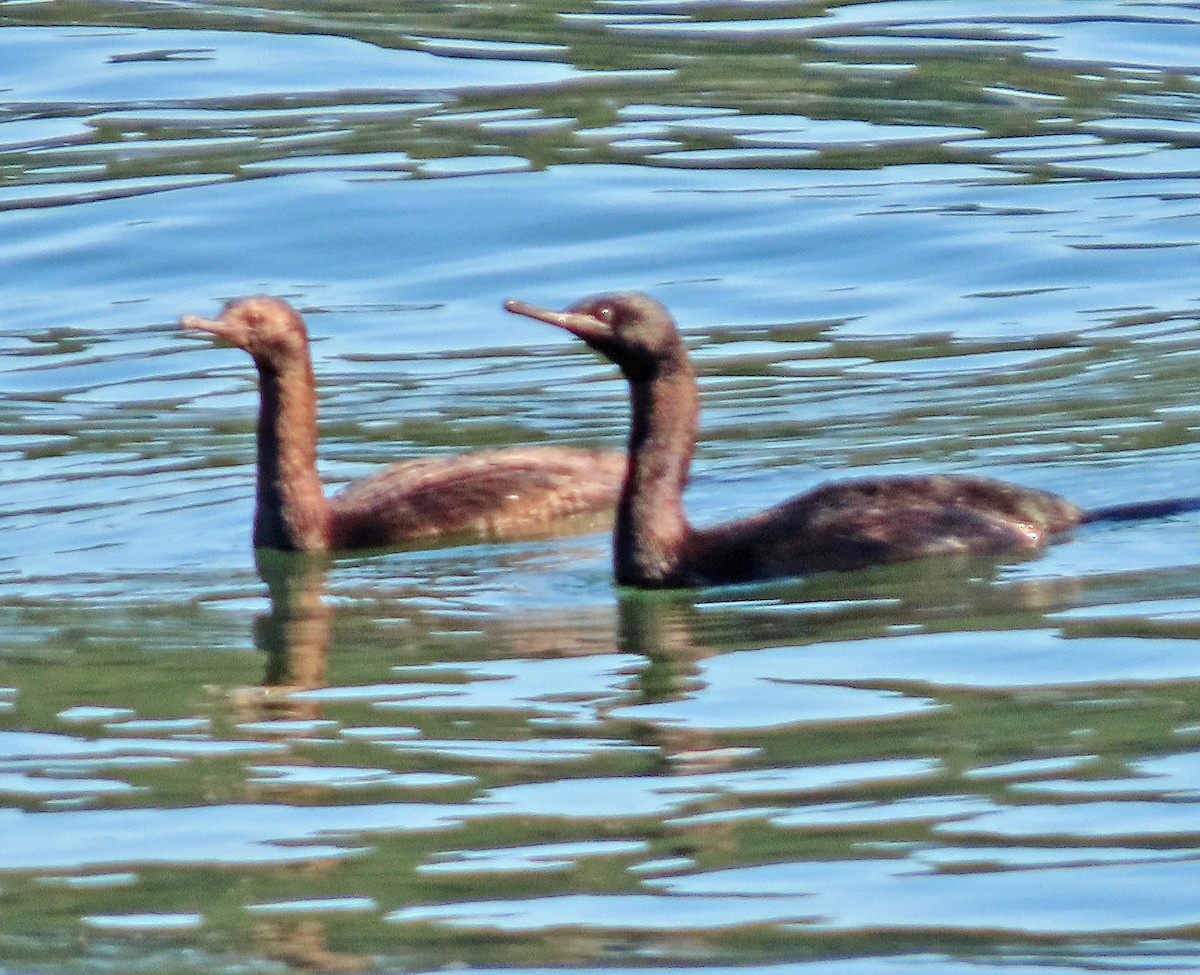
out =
column 495, row 494
column 870, row 521
column 844, row 525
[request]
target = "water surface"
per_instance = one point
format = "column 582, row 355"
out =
column 898, row 236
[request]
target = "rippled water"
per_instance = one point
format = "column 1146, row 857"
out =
column 898, row 236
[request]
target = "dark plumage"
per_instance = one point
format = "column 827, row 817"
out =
column 496, row 494
column 845, row 525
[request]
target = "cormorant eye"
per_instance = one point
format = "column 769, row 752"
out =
column 606, row 314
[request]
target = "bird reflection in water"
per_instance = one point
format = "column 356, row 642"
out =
column 295, row 634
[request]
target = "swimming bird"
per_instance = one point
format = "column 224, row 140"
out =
column 500, row 493
column 843, row 525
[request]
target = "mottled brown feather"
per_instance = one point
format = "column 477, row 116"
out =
column 844, row 525
column 504, row 493
column 490, row 494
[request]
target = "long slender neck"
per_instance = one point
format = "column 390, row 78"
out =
column 291, row 510
column 651, row 529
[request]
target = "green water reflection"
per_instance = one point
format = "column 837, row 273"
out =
column 334, row 897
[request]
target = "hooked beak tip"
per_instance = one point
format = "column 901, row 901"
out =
column 196, row 323
column 210, row 326
column 550, row 317
column 519, row 307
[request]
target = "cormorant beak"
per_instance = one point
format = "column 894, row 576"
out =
column 214, row 326
column 587, row 327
